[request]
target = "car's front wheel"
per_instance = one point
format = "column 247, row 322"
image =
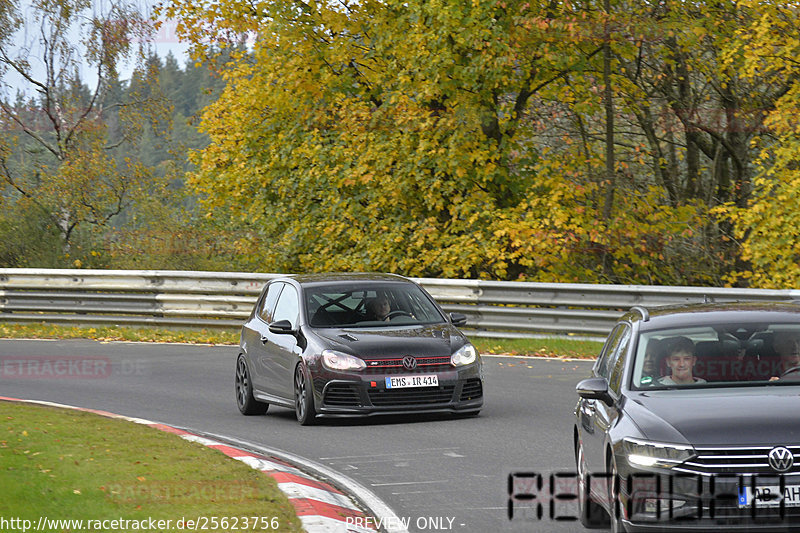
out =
column 303, row 397
column 591, row 514
column 245, row 401
column 615, row 509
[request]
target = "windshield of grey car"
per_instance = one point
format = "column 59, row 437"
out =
column 720, row 355
column 374, row 305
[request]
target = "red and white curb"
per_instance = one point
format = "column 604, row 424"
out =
column 321, row 507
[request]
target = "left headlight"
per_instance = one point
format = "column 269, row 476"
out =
column 656, row 454
column 464, row 355
column 341, row 361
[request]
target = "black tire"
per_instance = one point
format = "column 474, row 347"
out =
column 245, row 401
column 304, row 397
column 613, row 498
column 591, row 514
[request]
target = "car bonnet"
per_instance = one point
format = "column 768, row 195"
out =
column 387, row 342
column 767, row 415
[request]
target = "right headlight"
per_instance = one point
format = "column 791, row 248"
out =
column 656, row 454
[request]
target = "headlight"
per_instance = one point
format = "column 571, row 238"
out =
column 464, row 355
column 656, row 454
column 341, row 361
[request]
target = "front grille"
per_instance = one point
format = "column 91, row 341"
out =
column 415, row 396
column 427, row 363
column 341, row 395
column 472, row 390
column 738, row 460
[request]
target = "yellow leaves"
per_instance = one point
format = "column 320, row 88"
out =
column 335, row 143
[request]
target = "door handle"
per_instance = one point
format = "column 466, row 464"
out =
column 264, row 340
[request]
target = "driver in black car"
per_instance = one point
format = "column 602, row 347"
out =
column 787, row 345
column 378, row 308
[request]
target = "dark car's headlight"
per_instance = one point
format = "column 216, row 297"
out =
column 341, row 361
column 656, row 454
column 464, row 355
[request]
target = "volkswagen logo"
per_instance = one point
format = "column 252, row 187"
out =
column 781, row 459
column 409, row 363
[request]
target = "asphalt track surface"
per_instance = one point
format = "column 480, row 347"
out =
column 435, row 472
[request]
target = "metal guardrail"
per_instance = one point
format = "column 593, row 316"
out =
column 167, row 298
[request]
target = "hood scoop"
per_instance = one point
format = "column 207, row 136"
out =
column 348, row 337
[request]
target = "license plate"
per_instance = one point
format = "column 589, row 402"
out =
column 769, row 496
column 404, row 382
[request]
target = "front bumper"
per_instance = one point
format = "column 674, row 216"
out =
column 365, row 393
column 691, row 502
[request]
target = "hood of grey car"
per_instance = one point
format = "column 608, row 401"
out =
column 720, row 417
column 378, row 343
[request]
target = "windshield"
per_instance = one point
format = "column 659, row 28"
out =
column 376, row 305
column 722, row 355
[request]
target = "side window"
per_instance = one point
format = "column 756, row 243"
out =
column 601, row 366
column 288, row 306
column 617, row 360
column 265, row 313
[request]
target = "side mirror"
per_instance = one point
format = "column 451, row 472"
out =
column 458, row 319
column 281, row 327
column 594, row 389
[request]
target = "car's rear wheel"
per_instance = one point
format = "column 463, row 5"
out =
column 303, row 397
column 245, row 401
column 591, row 514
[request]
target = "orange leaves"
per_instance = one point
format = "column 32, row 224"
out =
column 455, row 154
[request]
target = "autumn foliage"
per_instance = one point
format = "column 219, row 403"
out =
column 473, row 139
column 465, row 139
column 768, row 225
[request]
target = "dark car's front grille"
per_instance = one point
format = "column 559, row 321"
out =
column 472, row 390
column 423, row 363
column 341, row 395
column 736, row 460
column 413, row 396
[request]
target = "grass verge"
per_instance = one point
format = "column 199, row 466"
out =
column 117, row 333
column 60, row 464
column 545, row 347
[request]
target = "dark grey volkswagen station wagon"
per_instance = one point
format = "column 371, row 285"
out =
column 354, row 345
column 691, row 421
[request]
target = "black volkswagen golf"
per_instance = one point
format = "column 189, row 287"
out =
column 691, row 421
column 354, row 344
